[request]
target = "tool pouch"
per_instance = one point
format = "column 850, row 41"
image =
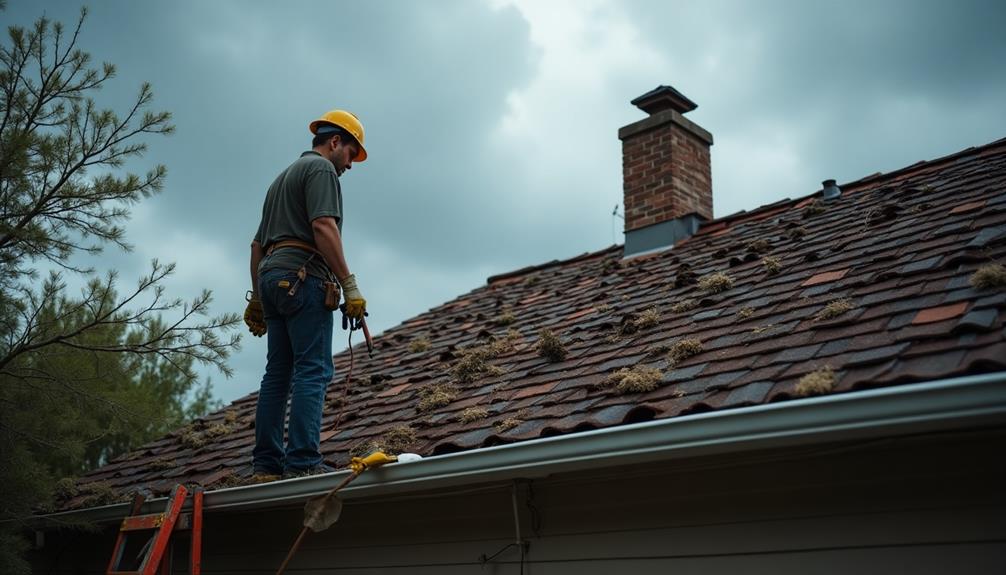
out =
column 333, row 293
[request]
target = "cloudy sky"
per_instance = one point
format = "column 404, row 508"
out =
column 492, row 124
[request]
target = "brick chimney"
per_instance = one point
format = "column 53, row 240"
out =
column 666, row 174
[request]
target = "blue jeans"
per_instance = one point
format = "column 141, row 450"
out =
column 298, row 369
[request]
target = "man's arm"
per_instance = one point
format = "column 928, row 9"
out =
column 254, row 317
column 256, row 256
column 328, row 240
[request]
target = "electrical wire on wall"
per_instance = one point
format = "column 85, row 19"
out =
column 519, row 541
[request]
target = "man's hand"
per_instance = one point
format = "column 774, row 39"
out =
column 356, row 306
column 253, row 316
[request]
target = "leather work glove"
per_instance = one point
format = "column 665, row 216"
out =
column 254, row 317
column 355, row 307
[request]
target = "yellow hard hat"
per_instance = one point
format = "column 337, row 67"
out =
column 347, row 121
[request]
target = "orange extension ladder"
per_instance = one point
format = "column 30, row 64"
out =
column 155, row 553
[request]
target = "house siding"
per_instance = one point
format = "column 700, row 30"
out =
column 933, row 504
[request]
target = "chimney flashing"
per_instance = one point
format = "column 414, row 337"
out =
column 660, row 236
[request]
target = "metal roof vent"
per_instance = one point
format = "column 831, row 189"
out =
column 831, row 191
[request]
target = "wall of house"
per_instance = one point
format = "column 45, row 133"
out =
column 932, row 504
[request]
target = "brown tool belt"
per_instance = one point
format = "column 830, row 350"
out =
column 293, row 244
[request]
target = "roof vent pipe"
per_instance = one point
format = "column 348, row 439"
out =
column 831, row 191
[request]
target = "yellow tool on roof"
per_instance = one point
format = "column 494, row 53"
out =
column 321, row 512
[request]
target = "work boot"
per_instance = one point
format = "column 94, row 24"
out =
column 320, row 469
column 263, row 476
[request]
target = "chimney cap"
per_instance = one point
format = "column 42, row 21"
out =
column 664, row 98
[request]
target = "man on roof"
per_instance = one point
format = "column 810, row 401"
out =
column 295, row 258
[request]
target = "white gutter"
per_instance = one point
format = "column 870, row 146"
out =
column 965, row 402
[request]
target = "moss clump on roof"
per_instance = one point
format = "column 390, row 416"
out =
column 65, row 489
column 217, row 430
column 234, row 480
column 772, row 265
column 505, row 318
column 532, row 280
column 683, row 349
column 638, row 379
column 550, row 346
column 797, row 232
column 161, row 464
column 191, row 438
column 816, row 382
column 650, row 317
column 834, row 309
column 419, row 344
column 474, row 361
column 397, row 440
column 716, row 282
column 364, row 448
column 762, row 328
column 990, row 276
column 511, row 422
column 602, row 308
column 745, row 312
column 472, row 414
column 684, row 306
column 814, row 208
column 436, row 395
column 100, row 493
column 759, row 246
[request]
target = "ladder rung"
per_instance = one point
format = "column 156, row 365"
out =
column 154, row 521
column 142, row 522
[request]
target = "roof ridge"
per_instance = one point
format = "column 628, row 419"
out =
column 534, row 268
column 742, row 215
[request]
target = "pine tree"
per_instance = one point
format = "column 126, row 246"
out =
column 82, row 378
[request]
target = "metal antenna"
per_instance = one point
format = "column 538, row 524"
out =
column 615, row 214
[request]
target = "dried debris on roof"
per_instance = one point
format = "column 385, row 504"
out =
column 797, row 232
column 436, row 395
column 816, row 382
column 683, row 349
column 511, row 422
column 746, row 312
column 716, row 283
column 759, row 246
column 637, row 379
column 471, row 414
column 814, row 208
column 650, row 317
column 504, row 319
column 474, row 361
column 834, row 309
column 772, row 265
column 398, row 439
column 419, row 344
column 989, row 276
column 550, row 346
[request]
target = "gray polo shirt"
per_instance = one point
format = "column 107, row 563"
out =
column 306, row 190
